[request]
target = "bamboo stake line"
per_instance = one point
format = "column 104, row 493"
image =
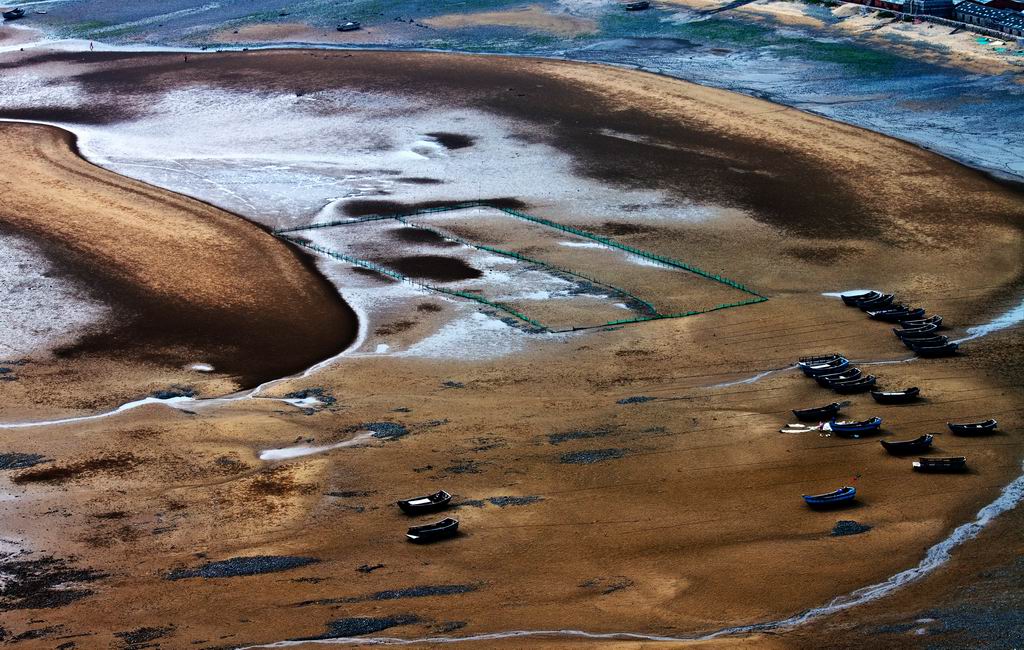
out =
column 402, row 217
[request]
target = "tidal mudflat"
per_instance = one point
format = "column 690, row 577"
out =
column 614, row 480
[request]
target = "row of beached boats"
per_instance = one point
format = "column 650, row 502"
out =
column 834, row 371
column 916, row 331
column 432, row 532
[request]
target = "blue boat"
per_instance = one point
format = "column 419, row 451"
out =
column 838, row 497
column 854, row 429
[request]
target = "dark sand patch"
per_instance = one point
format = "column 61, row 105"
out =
column 453, row 140
column 433, row 267
column 420, row 180
column 421, row 236
column 591, row 456
column 14, row 460
column 421, row 591
column 43, row 583
column 361, row 625
column 117, row 464
column 369, row 207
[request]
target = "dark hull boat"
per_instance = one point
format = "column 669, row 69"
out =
column 947, row 350
column 637, row 6
column 856, row 386
column 933, row 320
column 881, row 302
column 905, row 447
column 14, row 14
column 950, row 464
column 433, row 532
column 896, row 396
column 819, row 359
column 854, row 429
column 931, row 341
column 430, row 503
column 831, row 367
column 896, row 316
column 818, row 414
column 349, row 26
column 847, row 375
column 922, row 332
column 852, row 299
column 835, row 498
column 972, row 428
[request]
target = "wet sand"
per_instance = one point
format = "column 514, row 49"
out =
column 582, row 505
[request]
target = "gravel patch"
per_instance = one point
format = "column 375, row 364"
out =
column 317, row 392
column 14, row 460
column 591, row 456
column 504, row 502
column 43, row 583
column 584, row 434
column 636, row 399
column 848, row 527
column 360, row 625
column 243, row 566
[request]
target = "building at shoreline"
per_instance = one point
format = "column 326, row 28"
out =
column 1007, row 21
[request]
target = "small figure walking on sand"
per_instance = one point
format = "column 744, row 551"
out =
column 90, row 46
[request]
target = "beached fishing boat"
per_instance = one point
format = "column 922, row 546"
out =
column 819, row 359
column 851, row 299
column 349, row 26
column 932, row 341
column 905, row 447
column 896, row 396
column 948, row 464
column 815, row 369
column 818, row 413
column 898, row 315
column 972, row 428
column 850, row 374
column 14, row 14
column 854, row 386
column 430, row 503
column 947, row 350
column 881, row 302
column 433, row 532
column 637, row 6
column 931, row 320
column 852, row 428
column 922, row 332
column 837, row 497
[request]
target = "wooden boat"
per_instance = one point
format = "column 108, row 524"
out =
column 881, row 302
column 433, row 532
column 813, row 370
column 948, row 464
column 349, row 26
column 972, row 428
column 856, row 386
column 905, row 447
column 819, row 413
column 14, row 14
column 947, row 350
column 931, row 341
column 854, row 429
column 429, row 503
column 896, row 396
column 847, row 375
column 898, row 315
column 637, row 6
column 915, row 332
column 851, row 299
column 836, row 497
column 932, row 320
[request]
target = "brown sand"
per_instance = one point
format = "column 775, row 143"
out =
column 533, row 17
column 188, row 282
column 672, row 516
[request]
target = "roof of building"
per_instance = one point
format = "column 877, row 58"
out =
column 1004, row 17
